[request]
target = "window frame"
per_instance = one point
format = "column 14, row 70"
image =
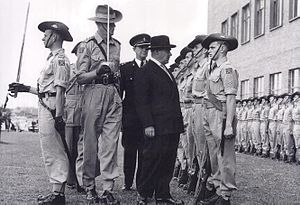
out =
column 292, row 7
column 271, row 26
column 226, row 23
column 243, row 40
column 259, row 93
column 291, row 85
column 272, row 77
column 263, row 18
column 236, row 16
column 245, row 95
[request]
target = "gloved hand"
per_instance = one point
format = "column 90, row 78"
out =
column 103, row 69
column 59, row 123
column 18, row 87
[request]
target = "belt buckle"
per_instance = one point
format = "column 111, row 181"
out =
column 105, row 79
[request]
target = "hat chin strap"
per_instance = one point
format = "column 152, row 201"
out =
column 47, row 42
column 210, row 64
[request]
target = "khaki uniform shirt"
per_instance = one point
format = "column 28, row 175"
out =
column 199, row 83
column 55, row 73
column 287, row 116
column 279, row 115
column 243, row 114
column 256, row 113
column 296, row 113
column 223, row 81
column 90, row 56
column 264, row 114
column 272, row 112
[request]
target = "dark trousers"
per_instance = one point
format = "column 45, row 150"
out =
column 158, row 166
column 132, row 141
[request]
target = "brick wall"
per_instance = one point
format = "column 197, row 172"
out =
column 275, row 51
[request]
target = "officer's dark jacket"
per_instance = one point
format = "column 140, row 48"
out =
column 130, row 118
column 157, row 100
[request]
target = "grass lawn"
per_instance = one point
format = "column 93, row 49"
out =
column 23, row 177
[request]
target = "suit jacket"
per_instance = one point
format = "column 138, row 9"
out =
column 157, row 100
column 130, row 119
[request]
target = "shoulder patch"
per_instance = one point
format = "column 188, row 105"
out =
column 80, row 49
column 228, row 70
column 61, row 62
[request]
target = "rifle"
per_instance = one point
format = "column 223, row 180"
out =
column 204, row 173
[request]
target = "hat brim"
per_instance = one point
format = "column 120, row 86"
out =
column 142, row 44
column 232, row 42
column 118, row 18
column 65, row 34
column 162, row 47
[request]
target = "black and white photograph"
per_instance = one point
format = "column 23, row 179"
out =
column 150, row 102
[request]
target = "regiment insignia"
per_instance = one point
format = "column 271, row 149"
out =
column 61, row 63
column 228, row 70
column 80, row 50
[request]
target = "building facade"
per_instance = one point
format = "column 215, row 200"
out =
column 268, row 31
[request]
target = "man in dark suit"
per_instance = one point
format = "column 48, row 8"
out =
column 132, row 138
column 157, row 104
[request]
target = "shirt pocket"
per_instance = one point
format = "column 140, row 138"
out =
column 215, row 82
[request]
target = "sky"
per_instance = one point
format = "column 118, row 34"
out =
column 181, row 20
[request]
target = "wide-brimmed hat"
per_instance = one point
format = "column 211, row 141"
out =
column 160, row 42
column 231, row 41
column 142, row 39
column 185, row 50
column 198, row 39
column 178, row 59
column 101, row 15
column 294, row 94
column 74, row 50
column 57, row 26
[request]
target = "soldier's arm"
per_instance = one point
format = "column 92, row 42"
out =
column 61, row 81
column 230, row 80
column 33, row 90
column 84, row 75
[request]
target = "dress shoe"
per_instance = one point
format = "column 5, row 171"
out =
column 92, row 197
column 80, row 189
column 108, row 198
column 211, row 200
column 126, row 188
column 52, row 199
column 222, row 201
column 71, row 186
column 169, row 201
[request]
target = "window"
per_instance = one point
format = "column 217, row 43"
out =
column 294, row 80
column 294, row 8
column 259, row 86
column 246, row 24
column 275, row 83
column 245, row 91
column 224, row 29
column 275, row 13
column 259, row 18
column 234, row 25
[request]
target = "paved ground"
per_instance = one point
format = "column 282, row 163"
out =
column 23, row 178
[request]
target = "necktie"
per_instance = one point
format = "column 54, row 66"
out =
column 142, row 63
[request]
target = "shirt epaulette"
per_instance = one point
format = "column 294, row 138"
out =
column 125, row 63
column 117, row 41
column 89, row 39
